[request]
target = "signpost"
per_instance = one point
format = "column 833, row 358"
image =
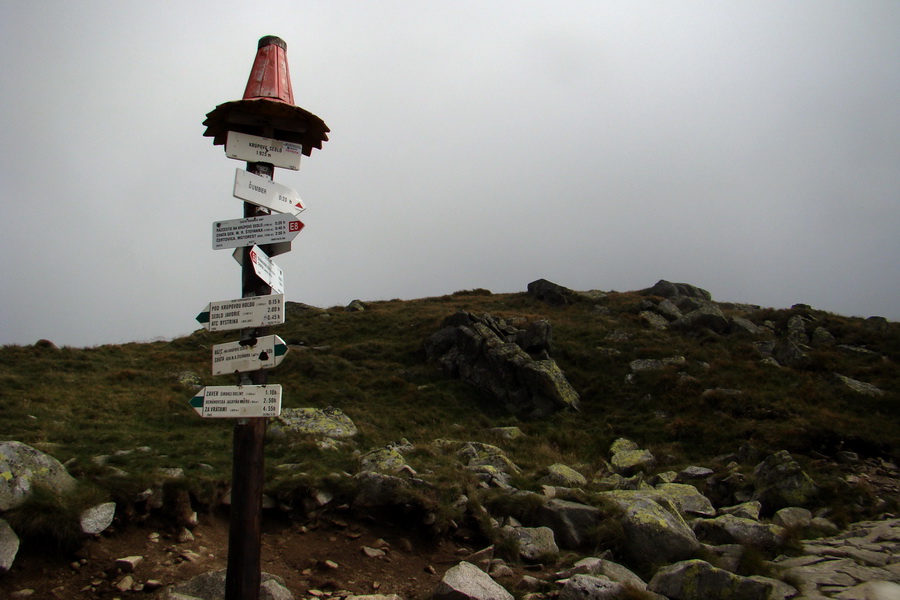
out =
column 253, row 148
column 240, row 313
column 255, row 231
column 266, row 193
column 248, row 355
column 238, row 401
column 267, row 130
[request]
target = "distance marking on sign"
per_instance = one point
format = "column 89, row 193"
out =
column 240, row 313
column 255, row 231
column 248, row 355
column 260, row 191
column 238, row 401
column 252, row 148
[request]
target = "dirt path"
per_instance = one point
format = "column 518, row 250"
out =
column 334, row 555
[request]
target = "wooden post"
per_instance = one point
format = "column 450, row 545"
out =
column 242, row 579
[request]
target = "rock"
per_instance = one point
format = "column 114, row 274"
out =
column 688, row 499
column 793, row 517
column 871, row 590
column 211, row 586
column 629, row 462
column 482, row 352
column 796, row 330
column 645, row 364
column 780, row 482
column 355, row 306
column 129, row 563
column 745, row 510
column 572, row 523
column 667, row 289
column 866, row 389
column 790, row 354
column 9, row 546
column 606, row 568
column 562, row 475
column 386, row 460
column 654, row 533
column 535, row 544
column 589, row 587
column 377, row 489
column 465, row 581
column 96, row 519
column 507, row 433
column 668, row 309
column 482, row 559
column 552, row 293
column 699, row 580
column 707, row 316
column 729, row 529
column 654, row 320
column 692, row 474
column 536, row 338
column 622, row 444
column 821, row 338
column 22, row 468
column 741, row 325
column 374, row 597
column 328, row 422
column 125, row 584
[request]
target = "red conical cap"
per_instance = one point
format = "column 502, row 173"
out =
column 270, row 77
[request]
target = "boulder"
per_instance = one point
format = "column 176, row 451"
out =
column 789, row 354
column 688, row 499
column 572, row 523
column 326, row 422
column 22, row 468
column 9, row 546
column 793, row 517
column 387, row 460
column 780, row 482
column 699, row 580
column 742, row 325
column 606, row 568
column 211, row 586
column 535, row 544
column 465, row 581
column 482, row 352
column 707, row 316
column 564, row 476
column 589, row 587
column 377, row 489
column 668, row 289
column 729, row 529
column 653, row 533
column 629, row 462
column 860, row 387
column 553, row 293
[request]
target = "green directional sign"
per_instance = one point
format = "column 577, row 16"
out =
column 248, row 355
column 240, row 313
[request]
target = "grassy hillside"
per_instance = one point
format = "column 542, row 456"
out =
column 129, row 403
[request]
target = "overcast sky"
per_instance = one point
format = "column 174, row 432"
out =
column 749, row 148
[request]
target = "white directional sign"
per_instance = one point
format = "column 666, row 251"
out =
column 264, row 268
column 249, row 355
column 266, row 193
column 255, row 231
column 252, row 148
column 256, row 311
column 238, row 401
